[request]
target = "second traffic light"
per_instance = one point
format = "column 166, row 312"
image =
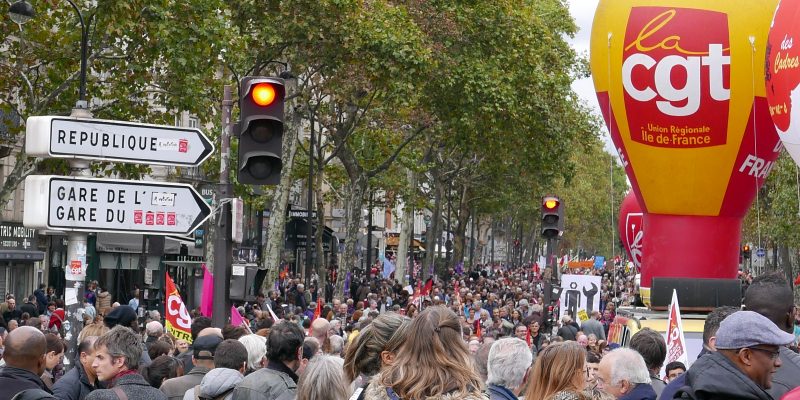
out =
column 261, row 101
column 746, row 252
column 552, row 217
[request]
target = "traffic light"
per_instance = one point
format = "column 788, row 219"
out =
column 746, row 251
column 552, row 217
column 260, row 130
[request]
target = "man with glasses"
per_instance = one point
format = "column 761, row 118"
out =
column 771, row 296
column 748, row 355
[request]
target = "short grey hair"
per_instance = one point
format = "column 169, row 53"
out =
column 256, row 350
column 627, row 365
column 154, row 328
column 337, row 344
column 122, row 342
column 323, row 379
column 509, row 359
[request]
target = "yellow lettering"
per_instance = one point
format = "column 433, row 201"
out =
column 668, row 43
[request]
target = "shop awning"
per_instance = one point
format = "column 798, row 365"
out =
column 394, row 241
column 21, row 255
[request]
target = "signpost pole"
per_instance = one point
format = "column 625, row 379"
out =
column 222, row 241
column 76, row 261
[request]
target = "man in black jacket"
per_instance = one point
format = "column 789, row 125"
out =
column 24, row 354
column 30, row 307
column 771, row 296
column 746, row 359
column 81, row 380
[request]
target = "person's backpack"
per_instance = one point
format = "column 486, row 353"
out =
column 33, row 394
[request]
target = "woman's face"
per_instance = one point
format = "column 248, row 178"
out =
column 52, row 359
column 592, row 340
column 181, row 345
column 515, row 314
column 534, row 327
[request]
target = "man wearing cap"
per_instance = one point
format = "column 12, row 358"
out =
column 203, row 350
column 748, row 354
column 771, row 296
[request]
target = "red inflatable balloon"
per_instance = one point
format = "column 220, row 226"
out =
column 631, row 228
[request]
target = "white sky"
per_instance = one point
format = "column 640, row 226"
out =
column 583, row 12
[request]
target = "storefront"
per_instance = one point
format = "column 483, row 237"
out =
column 20, row 260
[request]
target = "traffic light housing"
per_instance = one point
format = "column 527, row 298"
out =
column 746, row 252
column 260, row 130
column 552, row 217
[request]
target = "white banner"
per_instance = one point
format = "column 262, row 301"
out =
column 676, row 343
column 580, row 295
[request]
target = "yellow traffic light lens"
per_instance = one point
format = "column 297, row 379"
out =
column 550, row 204
column 263, row 94
column 746, row 248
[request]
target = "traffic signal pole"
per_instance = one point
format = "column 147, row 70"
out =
column 222, row 241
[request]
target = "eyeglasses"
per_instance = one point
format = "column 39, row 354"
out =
column 773, row 355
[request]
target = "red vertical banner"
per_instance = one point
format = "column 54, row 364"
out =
column 178, row 321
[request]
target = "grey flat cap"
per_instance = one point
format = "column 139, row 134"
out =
column 747, row 329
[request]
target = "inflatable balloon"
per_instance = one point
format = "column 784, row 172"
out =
column 783, row 75
column 681, row 87
column 631, row 228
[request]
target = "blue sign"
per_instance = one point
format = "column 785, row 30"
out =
column 599, row 262
column 761, row 253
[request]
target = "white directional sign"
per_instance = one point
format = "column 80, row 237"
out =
column 109, row 205
column 128, row 142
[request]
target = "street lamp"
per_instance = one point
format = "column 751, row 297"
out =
column 22, row 11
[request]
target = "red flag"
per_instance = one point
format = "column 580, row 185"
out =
column 528, row 338
column 178, row 321
column 207, row 299
column 478, row 330
column 428, row 286
column 797, row 280
column 318, row 310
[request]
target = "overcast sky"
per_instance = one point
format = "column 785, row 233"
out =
column 583, row 12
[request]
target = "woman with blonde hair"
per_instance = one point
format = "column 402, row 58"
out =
column 433, row 363
column 558, row 373
column 376, row 346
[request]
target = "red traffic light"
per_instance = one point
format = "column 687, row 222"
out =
column 263, row 94
column 550, row 203
column 746, row 247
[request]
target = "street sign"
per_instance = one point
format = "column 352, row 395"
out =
column 103, row 140
column 109, row 205
column 301, row 214
column 761, row 253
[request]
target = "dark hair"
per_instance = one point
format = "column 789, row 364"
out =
column 158, row 348
column 674, row 365
column 198, row 324
column 306, row 323
column 283, row 341
column 310, row 347
column 233, row 332
column 162, row 368
column 771, row 296
column 54, row 343
column 713, row 320
column 86, row 345
column 651, row 345
column 230, row 353
column 265, row 323
column 592, row 357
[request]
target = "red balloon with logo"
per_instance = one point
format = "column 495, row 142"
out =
column 631, row 228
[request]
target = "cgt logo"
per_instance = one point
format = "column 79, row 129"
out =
column 676, row 76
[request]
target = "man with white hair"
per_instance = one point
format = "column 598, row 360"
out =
column 624, row 375
column 320, row 330
column 509, row 362
column 154, row 331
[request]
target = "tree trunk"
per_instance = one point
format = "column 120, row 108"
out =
column 352, row 219
column 319, row 261
column 406, row 233
column 459, row 236
column 280, row 202
column 434, row 237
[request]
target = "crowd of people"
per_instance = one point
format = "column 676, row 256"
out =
column 488, row 334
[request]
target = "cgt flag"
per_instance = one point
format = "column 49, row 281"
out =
column 676, row 344
column 178, row 321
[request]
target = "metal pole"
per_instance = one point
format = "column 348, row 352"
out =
column 76, row 261
column 309, row 206
column 369, row 235
column 493, row 226
column 84, row 44
column 472, row 239
column 222, row 241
